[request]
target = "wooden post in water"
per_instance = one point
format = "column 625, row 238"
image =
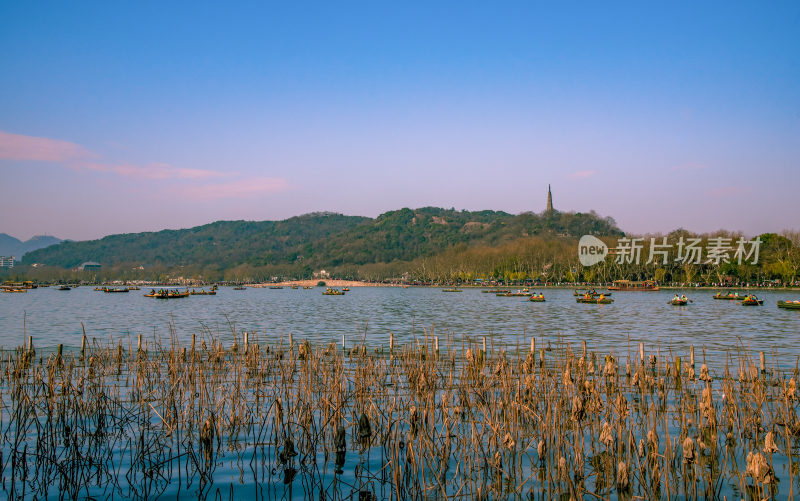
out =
column 678, row 367
column 291, row 341
column 484, row 345
column 691, row 356
column 436, row 346
column 60, row 351
column 83, row 341
column 246, row 341
column 762, row 362
column 533, row 345
column 193, row 341
column 641, row 353
column 583, row 346
column 139, row 344
column 343, row 345
column 30, row 345
column 391, row 343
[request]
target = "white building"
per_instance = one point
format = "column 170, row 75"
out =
column 7, row 262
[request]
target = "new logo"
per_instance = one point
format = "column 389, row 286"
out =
column 591, row 250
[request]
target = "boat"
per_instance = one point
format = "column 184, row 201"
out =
column 628, row 285
column 167, row 294
column 332, row 292
column 239, row 288
column 788, row 305
column 114, row 289
column 345, row 289
column 307, row 287
column 593, row 292
column 64, row 288
column 497, row 291
column 452, row 290
column 133, row 288
column 537, row 299
column 678, row 301
column 752, row 301
column 593, row 300
column 13, row 289
column 203, row 293
column 731, row 296
column 276, row 287
column 515, row 294
column 295, row 287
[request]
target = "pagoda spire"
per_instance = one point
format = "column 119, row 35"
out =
column 549, row 199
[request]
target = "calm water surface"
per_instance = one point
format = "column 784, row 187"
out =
column 54, row 317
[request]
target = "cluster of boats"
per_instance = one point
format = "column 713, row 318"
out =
column 330, row 291
column 594, row 297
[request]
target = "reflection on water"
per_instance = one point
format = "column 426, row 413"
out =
column 53, row 317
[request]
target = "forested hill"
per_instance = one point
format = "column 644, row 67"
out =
column 320, row 239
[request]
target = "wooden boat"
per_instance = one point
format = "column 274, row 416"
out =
column 65, row 288
column 307, row 287
column 239, row 288
column 276, row 287
column 730, row 296
column 789, row 305
column 452, row 290
column 628, row 285
column 345, row 289
column 497, row 291
column 203, row 293
column 577, row 293
column 114, row 289
column 678, row 302
column 332, row 292
column 515, row 294
column 752, row 301
column 13, row 289
column 133, row 288
column 593, row 300
column 537, row 299
column 167, row 294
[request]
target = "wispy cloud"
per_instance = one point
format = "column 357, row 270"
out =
column 581, row 174
column 40, row 149
column 153, row 171
column 243, row 188
column 76, row 157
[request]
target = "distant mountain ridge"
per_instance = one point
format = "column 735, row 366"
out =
column 10, row 246
column 319, row 240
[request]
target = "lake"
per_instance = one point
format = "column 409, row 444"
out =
column 369, row 314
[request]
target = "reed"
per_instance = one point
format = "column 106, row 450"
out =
column 422, row 419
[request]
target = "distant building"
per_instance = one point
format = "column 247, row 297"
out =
column 89, row 266
column 7, row 262
column 549, row 199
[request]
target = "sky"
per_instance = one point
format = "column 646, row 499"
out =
column 120, row 117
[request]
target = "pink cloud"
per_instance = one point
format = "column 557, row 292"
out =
column 40, row 149
column 74, row 156
column 581, row 174
column 237, row 189
column 153, row 171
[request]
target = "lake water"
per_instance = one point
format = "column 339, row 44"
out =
column 369, row 314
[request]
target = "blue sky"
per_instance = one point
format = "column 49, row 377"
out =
column 125, row 117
